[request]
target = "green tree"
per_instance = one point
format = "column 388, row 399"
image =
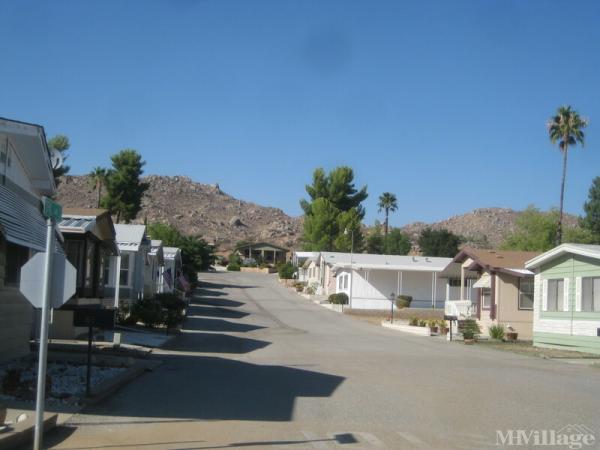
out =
column 349, row 236
column 387, row 203
column 438, row 243
column 334, row 206
column 98, row 179
column 375, row 242
column 535, row 231
column 566, row 128
column 196, row 253
column 397, row 243
column 124, row 190
column 591, row 220
column 61, row 143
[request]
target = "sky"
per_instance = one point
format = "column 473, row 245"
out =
column 443, row 103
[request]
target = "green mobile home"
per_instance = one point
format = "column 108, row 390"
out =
column 566, row 310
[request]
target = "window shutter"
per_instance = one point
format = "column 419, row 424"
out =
column 578, row 294
column 566, row 292
column 544, row 295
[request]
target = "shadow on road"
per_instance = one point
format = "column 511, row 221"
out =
column 194, row 322
column 205, row 342
column 216, row 311
column 215, row 302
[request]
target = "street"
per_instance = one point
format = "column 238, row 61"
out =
column 260, row 367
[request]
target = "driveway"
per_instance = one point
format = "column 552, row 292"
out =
column 259, row 367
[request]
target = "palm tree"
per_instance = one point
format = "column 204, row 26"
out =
column 98, row 178
column 566, row 128
column 387, row 203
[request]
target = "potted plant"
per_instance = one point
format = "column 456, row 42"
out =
column 470, row 331
column 443, row 329
column 422, row 323
column 497, row 332
column 403, row 301
column 433, row 325
column 511, row 334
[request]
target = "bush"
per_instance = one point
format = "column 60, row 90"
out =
column 286, row 271
column 403, row 301
column 413, row 321
column 470, row 329
column 338, row 299
column 432, row 323
column 422, row 323
column 149, row 312
column 497, row 332
column 125, row 314
column 233, row 267
column 311, row 290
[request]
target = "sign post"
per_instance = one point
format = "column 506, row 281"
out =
column 52, row 212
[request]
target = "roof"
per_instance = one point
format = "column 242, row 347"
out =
column 385, row 262
column 89, row 220
column 130, row 237
column 504, row 261
column 171, row 252
column 28, row 140
column 588, row 250
column 257, row 245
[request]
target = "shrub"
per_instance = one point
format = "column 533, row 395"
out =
column 234, row 258
column 233, row 267
column 432, row 323
column 497, row 332
column 413, row 321
column 311, row 290
column 338, row 299
column 264, row 265
column 403, row 301
column 422, row 323
column 149, row 312
column 470, row 329
column 125, row 314
column 286, row 271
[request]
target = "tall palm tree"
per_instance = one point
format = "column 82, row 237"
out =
column 98, row 178
column 566, row 128
column 387, row 203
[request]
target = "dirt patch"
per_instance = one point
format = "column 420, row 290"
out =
column 527, row 348
column 376, row 316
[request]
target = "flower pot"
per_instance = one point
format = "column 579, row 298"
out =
column 511, row 336
column 443, row 330
column 433, row 329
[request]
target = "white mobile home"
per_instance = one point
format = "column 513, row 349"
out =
column 25, row 176
column 134, row 247
column 371, row 280
column 172, row 268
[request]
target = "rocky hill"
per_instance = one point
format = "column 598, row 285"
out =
column 196, row 208
column 482, row 227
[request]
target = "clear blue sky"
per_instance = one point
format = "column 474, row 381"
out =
column 443, row 103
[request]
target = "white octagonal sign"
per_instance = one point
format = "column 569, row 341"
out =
column 64, row 277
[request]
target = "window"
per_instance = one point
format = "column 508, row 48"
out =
column 526, row 293
column 106, row 269
column 454, row 282
column 340, row 282
column 16, row 257
column 124, row 281
column 590, row 294
column 486, row 298
column 346, row 281
column 556, row 291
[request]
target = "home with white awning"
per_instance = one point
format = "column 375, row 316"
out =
column 371, row 281
column 493, row 287
column 25, row 176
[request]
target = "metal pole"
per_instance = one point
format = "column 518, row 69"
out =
column 43, row 348
column 351, row 268
column 88, row 380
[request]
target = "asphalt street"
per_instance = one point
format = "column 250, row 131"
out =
column 259, row 367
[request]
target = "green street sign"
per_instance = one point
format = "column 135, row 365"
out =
column 52, row 210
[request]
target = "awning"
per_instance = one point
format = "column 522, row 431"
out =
column 484, row 282
column 23, row 223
